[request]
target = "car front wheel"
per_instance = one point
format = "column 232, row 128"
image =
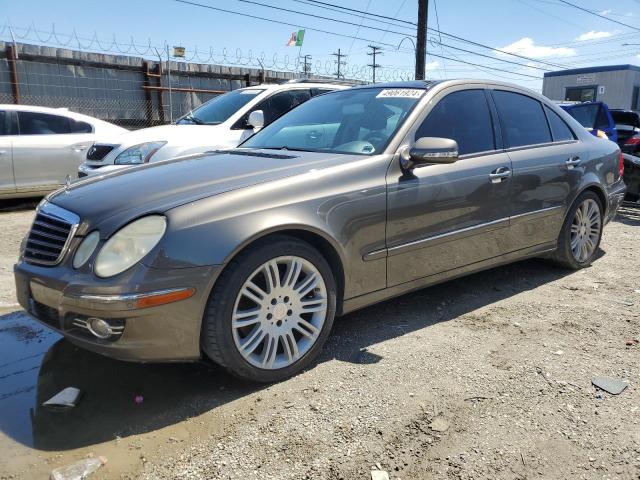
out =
column 271, row 310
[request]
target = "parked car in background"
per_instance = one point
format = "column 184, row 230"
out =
column 594, row 116
column 222, row 122
column 246, row 255
column 628, row 127
column 40, row 147
column 632, row 178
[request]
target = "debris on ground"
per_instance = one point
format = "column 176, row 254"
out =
column 379, row 475
column 138, row 399
column 439, row 425
column 79, row 470
column 610, row 385
column 67, row 398
column 630, row 342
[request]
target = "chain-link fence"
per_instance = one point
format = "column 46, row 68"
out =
column 128, row 91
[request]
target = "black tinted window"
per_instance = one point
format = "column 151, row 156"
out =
column 33, row 123
column 4, row 126
column 523, row 120
column 464, row 117
column 559, row 129
column 282, row 102
column 80, row 127
column 320, row 91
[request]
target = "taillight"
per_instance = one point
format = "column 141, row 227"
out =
column 621, row 165
column 633, row 141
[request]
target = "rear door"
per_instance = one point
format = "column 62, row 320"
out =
column 7, row 182
column 49, row 147
column 546, row 166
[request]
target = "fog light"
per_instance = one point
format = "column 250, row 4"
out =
column 99, row 328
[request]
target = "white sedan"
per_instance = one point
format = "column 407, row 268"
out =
column 40, row 147
column 222, row 122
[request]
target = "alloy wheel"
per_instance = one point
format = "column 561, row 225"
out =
column 585, row 230
column 279, row 312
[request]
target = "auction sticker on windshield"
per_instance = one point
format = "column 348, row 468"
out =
column 400, row 93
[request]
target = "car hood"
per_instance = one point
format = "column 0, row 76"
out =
column 157, row 187
column 175, row 134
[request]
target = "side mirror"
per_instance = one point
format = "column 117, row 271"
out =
column 256, row 119
column 429, row 150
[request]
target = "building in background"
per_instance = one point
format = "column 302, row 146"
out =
column 616, row 85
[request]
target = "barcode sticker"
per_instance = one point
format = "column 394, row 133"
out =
column 400, row 93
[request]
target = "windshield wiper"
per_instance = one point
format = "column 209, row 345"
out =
column 189, row 117
column 284, row 147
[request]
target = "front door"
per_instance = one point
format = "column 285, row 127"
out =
column 442, row 217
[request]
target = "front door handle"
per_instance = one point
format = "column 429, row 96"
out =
column 572, row 162
column 500, row 174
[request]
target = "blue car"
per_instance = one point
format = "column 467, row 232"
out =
column 593, row 116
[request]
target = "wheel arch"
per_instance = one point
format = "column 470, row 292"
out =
column 321, row 241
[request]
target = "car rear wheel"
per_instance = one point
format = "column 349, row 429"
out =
column 271, row 310
column 581, row 233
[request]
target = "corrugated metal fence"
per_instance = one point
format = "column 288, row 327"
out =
column 129, row 91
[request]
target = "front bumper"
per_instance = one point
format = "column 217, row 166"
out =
column 63, row 300
column 86, row 170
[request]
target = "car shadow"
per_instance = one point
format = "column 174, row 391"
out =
column 19, row 204
column 629, row 215
column 39, row 363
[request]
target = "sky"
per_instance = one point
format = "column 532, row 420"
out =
column 549, row 33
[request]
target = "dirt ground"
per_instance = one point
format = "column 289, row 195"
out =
column 484, row 377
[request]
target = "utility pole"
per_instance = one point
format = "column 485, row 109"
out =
column 306, row 67
column 421, row 46
column 339, row 63
column 374, row 52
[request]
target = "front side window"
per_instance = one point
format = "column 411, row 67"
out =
column 559, row 129
column 464, row 117
column 4, row 124
column 282, row 102
column 220, row 108
column 35, row 123
column 357, row 121
column 522, row 118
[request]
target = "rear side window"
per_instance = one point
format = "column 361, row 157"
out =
column 522, row 118
column 4, row 123
column 80, row 127
column 35, row 123
column 559, row 129
column 464, row 117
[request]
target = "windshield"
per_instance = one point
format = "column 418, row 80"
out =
column 358, row 121
column 220, row 108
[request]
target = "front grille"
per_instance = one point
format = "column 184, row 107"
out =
column 50, row 235
column 98, row 152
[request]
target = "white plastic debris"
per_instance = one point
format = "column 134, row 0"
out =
column 610, row 385
column 379, row 475
column 67, row 398
column 79, row 470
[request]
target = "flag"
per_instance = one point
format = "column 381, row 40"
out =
column 296, row 39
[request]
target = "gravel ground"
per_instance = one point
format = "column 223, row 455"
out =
column 487, row 376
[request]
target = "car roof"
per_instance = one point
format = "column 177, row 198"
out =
column 296, row 86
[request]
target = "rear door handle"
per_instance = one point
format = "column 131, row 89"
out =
column 500, row 174
column 572, row 162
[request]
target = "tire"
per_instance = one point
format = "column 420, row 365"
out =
column 243, row 321
column 565, row 255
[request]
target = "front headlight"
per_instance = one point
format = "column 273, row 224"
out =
column 129, row 245
column 138, row 154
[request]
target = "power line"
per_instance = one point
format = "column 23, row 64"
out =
column 253, row 2
column 598, row 15
column 440, row 32
column 313, row 29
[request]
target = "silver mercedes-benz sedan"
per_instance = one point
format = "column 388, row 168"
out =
column 245, row 256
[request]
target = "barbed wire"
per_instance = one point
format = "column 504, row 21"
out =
column 236, row 57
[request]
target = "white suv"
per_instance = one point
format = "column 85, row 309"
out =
column 222, row 122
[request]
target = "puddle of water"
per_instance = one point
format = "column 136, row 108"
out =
column 37, row 363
